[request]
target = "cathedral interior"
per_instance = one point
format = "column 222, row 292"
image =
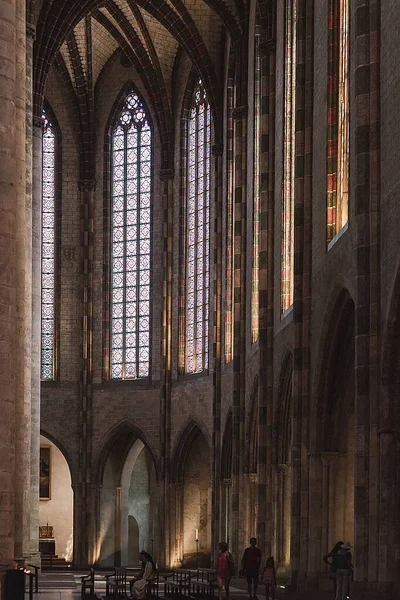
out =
column 200, row 284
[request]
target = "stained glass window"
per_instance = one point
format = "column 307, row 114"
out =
column 338, row 118
column 48, row 341
column 131, row 199
column 230, row 216
column 256, row 193
column 198, row 232
column 287, row 256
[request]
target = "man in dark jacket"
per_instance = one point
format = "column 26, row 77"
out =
column 251, row 562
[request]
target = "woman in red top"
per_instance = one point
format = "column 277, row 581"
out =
column 225, row 569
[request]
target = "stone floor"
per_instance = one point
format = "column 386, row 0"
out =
column 66, row 586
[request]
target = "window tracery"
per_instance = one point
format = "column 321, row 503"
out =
column 198, row 232
column 131, row 203
column 48, row 250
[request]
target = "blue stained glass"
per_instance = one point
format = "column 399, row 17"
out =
column 131, row 176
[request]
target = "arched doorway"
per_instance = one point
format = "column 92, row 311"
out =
column 56, row 504
column 193, row 498
column 128, row 503
column 336, row 427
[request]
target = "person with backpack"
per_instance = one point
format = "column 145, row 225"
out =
column 344, row 571
column 332, row 564
column 251, row 562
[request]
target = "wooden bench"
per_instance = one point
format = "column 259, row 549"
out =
column 152, row 587
column 179, row 583
column 87, row 584
column 204, row 583
column 116, row 583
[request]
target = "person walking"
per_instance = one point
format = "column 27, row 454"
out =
column 225, row 569
column 251, row 562
column 344, row 570
column 333, row 564
column 268, row 577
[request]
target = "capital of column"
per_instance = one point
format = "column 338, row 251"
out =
column 37, row 122
column 217, row 149
column 239, row 112
column 284, row 468
column 31, row 31
column 166, row 174
column 267, row 46
column 253, row 477
column 87, row 185
column 329, row 458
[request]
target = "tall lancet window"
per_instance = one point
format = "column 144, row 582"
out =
column 338, row 118
column 131, row 200
column 230, row 224
column 287, row 257
column 198, row 232
column 256, row 193
column 49, row 214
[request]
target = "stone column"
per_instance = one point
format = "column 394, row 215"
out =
column 118, row 527
column 167, row 541
column 328, row 460
column 217, row 151
column 24, row 298
column 8, row 273
column 226, row 511
column 36, row 133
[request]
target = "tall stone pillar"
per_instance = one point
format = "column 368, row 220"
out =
column 8, row 284
column 14, row 293
column 34, row 181
column 217, row 281
column 167, row 541
column 24, row 298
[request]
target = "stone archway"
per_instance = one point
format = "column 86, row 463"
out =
column 128, row 502
column 335, row 426
column 192, row 475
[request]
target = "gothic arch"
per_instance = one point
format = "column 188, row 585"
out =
column 187, row 437
column 71, row 463
column 125, row 433
column 337, row 357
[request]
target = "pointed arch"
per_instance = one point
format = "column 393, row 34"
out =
column 128, row 200
column 187, row 437
column 64, row 451
column 337, row 359
column 124, row 433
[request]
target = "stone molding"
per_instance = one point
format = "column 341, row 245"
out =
column 37, row 122
column 31, row 31
column 329, row 458
column 217, row 149
column 87, row 185
column 167, row 174
column 240, row 112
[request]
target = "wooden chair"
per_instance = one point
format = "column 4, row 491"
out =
column 205, row 582
column 87, row 584
column 179, row 584
column 116, row 584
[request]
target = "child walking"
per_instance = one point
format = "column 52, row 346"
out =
column 268, row 577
